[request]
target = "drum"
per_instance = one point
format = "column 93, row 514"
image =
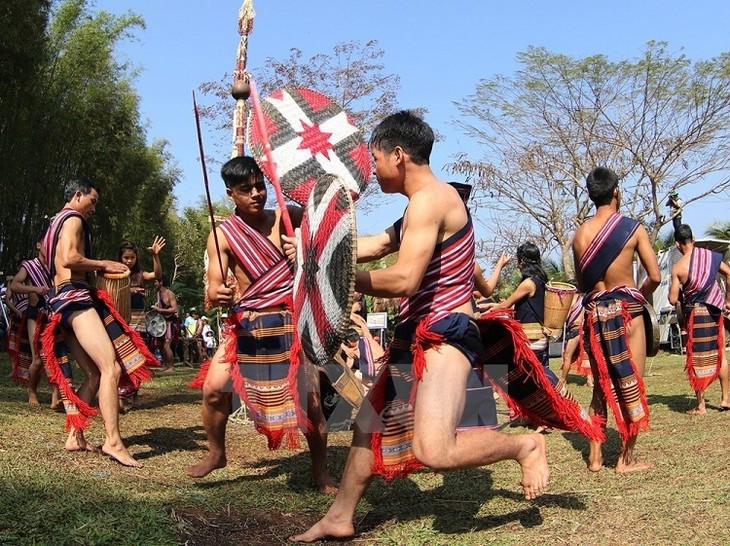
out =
column 119, row 287
column 558, row 301
column 651, row 329
column 155, row 324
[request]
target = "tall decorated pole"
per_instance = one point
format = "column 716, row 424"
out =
column 241, row 87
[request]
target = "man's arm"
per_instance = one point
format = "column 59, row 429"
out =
column 375, row 247
column 576, row 263
column 9, row 302
column 172, row 300
column 18, row 285
column 648, row 260
column 69, row 254
column 218, row 292
column 524, row 290
column 725, row 272
column 424, row 219
column 674, row 287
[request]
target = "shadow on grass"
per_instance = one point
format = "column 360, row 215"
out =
column 151, row 401
column 678, row 403
column 610, row 448
column 165, row 440
column 454, row 504
column 38, row 510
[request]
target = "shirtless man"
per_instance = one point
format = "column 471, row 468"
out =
column 251, row 245
column 67, row 245
column 603, row 250
column 694, row 278
column 436, row 217
column 167, row 306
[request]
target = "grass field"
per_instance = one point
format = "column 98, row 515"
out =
column 48, row 496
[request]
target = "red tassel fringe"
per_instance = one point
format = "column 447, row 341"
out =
column 56, row 377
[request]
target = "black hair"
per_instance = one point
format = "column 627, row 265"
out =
column 407, row 130
column 528, row 256
column 601, row 182
column 82, row 184
column 240, row 169
column 129, row 245
column 683, row 234
column 352, row 335
column 163, row 281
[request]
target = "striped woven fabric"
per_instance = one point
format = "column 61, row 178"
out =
column 609, row 314
column 20, row 351
column 131, row 352
column 705, row 341
column 448, row 281
column 701, row 285
column 605, row 247
column 260, row 345
column 270, row 272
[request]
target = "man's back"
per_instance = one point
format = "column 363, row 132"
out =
column 621, row 271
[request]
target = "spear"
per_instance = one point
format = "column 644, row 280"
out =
column 207, row 189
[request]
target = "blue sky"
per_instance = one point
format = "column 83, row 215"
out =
column 439, row 49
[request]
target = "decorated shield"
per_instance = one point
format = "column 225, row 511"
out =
column 324, row 279
column 310, row 135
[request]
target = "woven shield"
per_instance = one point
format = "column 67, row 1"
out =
column 324, row 279
column 310, row 135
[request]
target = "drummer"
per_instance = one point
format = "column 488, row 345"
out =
column 260, row 324
column 167, row 306
column 129, row 256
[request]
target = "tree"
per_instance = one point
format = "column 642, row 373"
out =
column 719, row 230
column 76, row 113
column 660, row 121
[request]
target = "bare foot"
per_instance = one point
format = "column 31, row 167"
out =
column 535, row 471
column 327, row 485
column 168, row 370
column 58, row 406
column 326, row 529
column 120, row 454
column 211, row 462
column 724, row 406
column 33, row 398
column 697, row 411
column 77, row 442
column 633, row 466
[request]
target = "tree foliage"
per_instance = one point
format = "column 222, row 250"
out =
column 660, row 121
column 75, row 112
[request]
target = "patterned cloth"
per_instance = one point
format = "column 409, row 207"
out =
column 574, row 326
column 131, row 352
column 263, row 342
column 605, row 248
column 258, row 352
column 608, row 319
column 497, row 348
column 703, row 302
column 19, row 350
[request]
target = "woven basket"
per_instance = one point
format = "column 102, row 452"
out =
column 558, row 300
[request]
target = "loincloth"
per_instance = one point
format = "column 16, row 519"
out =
column 608, row 319
column 132, row 354
column 705, row 341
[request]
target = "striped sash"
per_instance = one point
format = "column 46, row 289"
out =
column 449, row 278
column 272, row 280
column 701, row 285
column 605, row 248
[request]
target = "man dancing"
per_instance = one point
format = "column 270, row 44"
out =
column 254, row 354
column 104, row 345
column 603, row 250
column 694, row 283
column 433, row 275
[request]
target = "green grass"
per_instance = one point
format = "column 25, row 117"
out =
column 48, row 496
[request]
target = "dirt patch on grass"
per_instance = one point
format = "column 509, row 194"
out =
column 237, row 527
